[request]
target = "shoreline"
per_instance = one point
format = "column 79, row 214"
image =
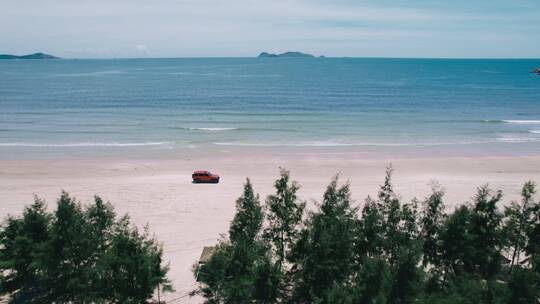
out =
column 172, row 152
column 185, row 216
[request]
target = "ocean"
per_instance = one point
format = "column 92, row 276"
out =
column 171, row 107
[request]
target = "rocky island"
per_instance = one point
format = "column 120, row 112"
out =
column 286, row 54
column 537, row 71
column 29, row 56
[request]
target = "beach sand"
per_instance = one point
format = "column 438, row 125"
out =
column 185, row 216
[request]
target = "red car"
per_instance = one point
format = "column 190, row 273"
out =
column 202, row 176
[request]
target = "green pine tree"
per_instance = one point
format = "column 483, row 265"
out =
column 284, row 214
column 241, row 269
column 131, row 268
column 432, row 221
column 78, row 255
column 324, row 254
column 456, row 242
column 518, row 223
column 68, row 264
column 486, row 236
column 21, row 253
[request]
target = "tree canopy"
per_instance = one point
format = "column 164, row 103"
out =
column 78, row 254
column 386, row 251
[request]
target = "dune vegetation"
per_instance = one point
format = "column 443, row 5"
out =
column 386, row 251
column 78, row 254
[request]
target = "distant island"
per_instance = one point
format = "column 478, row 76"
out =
column 537, row 71
column 29, row 56
column 286, row 54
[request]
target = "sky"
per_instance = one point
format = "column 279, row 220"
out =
column 243, row 28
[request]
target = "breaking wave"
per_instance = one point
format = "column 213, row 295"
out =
column 213, row 129
column 83, row 144
column 518, row 139
column 334, row 144
column 510, row 121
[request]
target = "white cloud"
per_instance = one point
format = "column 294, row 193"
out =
column 141, row 47
column 245, row 27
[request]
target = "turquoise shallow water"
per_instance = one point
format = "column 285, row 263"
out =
column 121, row 107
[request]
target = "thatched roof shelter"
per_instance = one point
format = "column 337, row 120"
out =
column 206, row 254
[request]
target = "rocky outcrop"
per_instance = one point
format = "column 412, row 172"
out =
column 286, row 54
column 29, row 56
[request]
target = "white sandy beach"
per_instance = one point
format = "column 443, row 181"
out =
column 186, row 216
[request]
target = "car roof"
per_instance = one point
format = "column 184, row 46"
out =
column 200, row 171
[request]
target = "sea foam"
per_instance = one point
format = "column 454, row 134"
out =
column 85, row 144
column 336, row 144
column 525, row 122
column 518, row 139
column 213, row 129
column 513, row 121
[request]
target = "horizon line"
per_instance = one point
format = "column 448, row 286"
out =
column 302, row 58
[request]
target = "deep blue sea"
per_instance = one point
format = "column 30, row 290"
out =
column 124, row 106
